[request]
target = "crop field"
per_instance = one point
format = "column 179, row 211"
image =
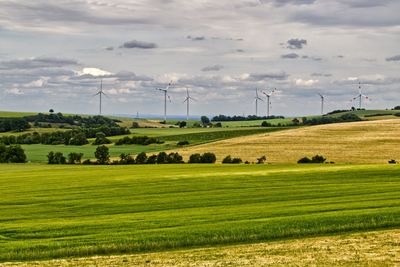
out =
column 49, row 212
column 358, row 142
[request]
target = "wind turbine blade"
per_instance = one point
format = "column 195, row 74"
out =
column 169, row 98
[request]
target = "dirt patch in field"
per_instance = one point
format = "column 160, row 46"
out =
column 380, row 248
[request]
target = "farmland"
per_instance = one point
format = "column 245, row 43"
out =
column 37, row 153
column 357, row 142
column 61, row 211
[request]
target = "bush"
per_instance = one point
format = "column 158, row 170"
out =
column 152, row 159
column 162, row 158
column 392, row 161
column 265, row 124
column 183, row 143
column 126, row 159
column 141, row 158
column 135, row 125
column 208, row 158
column 102, row 155
column 237, row 161
column 315, row 159
column 218, row 125
column 78, row 139
column 182, row 124
column 56, row 158
column 101, row 139
column 227, row 160
column 261, row 160
column 12, row 154
column 87, row 162
column 195, row 158
column 138, row 140
column 304, row 160
column 74, row 158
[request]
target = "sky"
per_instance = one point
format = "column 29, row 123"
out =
column 53, row 54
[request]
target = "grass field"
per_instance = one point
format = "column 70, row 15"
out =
column 38, row 153
column 359, row 142
column 378, row 248
column 62, row 211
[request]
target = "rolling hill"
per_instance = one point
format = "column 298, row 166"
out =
column 358, row 142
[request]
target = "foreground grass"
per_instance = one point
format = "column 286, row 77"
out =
column 355, row 142
column 51, row 212
column 380, row 248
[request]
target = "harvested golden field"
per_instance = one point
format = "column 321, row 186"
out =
column 380, row 248
column 358, row 142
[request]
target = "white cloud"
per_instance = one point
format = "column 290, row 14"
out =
column 301, row 82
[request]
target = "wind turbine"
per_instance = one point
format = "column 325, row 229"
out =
column 360, row 96
column 268, row 95
column 257, row 98
column 187, row 100
column 165, row 98
column 322, row 103
column 100, row 93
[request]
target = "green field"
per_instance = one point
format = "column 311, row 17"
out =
column 67, row 211
column 38, row 153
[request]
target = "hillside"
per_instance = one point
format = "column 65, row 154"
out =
column 358, row 142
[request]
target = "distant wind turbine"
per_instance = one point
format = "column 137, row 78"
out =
column 187, row 100
column 100, row 93
column 322, row 103
column 268, row 95
column 257, row 98
column 360, row 96
column 165, row 90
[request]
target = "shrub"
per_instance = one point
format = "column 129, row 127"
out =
column 126, row 159
column 141, row 158
column 392, row 161
column 195, row 158
column 162, row 158
column 102, row 155
column 315, row 159
column 183, row 143
column 12, row 154
column 74, row 158
column 318, row 159
column 78, row 139
column 208, row 158
column 261, row 160
column 135, row 124
column 87, row 162
column 218, row 125
column 152, row 159
column 265, row 124
column 56, row 158
column 182, row 124
column 101, row 139
column 237, row 161
column 175, row 158
column 227, row 160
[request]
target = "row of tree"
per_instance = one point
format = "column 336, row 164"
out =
column 138, row 140
column 13, row 125
column 84, row 122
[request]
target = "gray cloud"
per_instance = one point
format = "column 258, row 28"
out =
column 212, row 68
column 139, row 45
column 318, row 74
column 286, row 2
column 198, row 38
column 290, row 56
column 268, row 76
column 394, row 58
column 296, row 43
column 38, row 62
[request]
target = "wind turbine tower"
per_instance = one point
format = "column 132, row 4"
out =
column 360, row 96
column 268, row 95
column 165, row 90
column 257, row 98
column 100, row 93
column 187, row 100
column 322, row 103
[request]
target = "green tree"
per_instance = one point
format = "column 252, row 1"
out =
column 101, row 139
column 141, row 158
column 102, row 155
column 195, row 158
column 162, row 158
column 208, row 158
column 74, row 158
column 205, row 120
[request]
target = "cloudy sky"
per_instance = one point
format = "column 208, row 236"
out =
column 54, row 53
